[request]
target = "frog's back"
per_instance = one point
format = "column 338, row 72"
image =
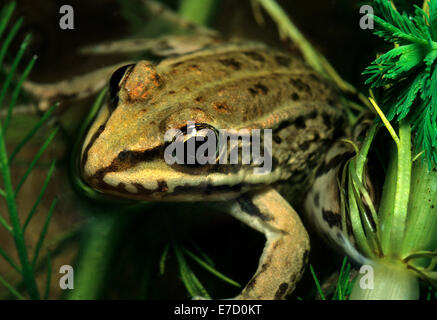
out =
column 251, row 86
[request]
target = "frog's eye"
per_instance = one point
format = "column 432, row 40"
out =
column 200, row 145
column 114, row 83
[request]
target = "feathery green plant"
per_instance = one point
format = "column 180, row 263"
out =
column 408, row 72
column 15, row 227
column 399, row 237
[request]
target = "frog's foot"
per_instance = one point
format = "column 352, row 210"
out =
column 285, row 254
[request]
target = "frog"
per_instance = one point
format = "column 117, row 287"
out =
column 225, row 85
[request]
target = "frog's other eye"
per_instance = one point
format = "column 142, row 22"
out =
column 200, row 145
column 116, row 79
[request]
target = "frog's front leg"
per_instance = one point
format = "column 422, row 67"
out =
column 285, row 254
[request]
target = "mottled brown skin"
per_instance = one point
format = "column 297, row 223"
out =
column 226, row 86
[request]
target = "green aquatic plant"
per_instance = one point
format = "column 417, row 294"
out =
column 15, row 227
column 399, row 238
column 408, row 72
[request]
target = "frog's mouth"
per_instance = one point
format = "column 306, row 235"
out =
column 158, row 181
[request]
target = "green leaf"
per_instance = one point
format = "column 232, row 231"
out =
column 35, row 160
column 211, row 269
column 40, row 195
column 43, row 233
column 49, row 276
column 316, row 280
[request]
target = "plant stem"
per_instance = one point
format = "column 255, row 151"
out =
column 422, row 210
column 17, row 231
column 102, row 236
column 394, row 204
column 403, row 177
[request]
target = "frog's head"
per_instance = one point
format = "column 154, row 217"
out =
column 124, row 151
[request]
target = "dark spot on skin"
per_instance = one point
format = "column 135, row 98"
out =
column 283, row 61
column 281, row 291
column 171, row 92
column 326, row 120
column 300, row 85
column 162, row 186
column 275, row 245
column 258, row 89
column 198, row 99
column 312, row 115
column 157, row 79
column 253, row 91
column 247, row 206
column 221, row 107
column 264, row 267
column 234, row 64
column 312, row 164
column 304, row 145
column 283, row 125
column 251, row 284
column 305, row 257
column 177, row 64
column 141, row 189
column 254, row 56
column 294, row 96
column 317, row 199
column 262, row 88
column 299, row 122
column 432, row 207
column 194, row 67
column 331, row 218
column 124, row 155
column 277, row 139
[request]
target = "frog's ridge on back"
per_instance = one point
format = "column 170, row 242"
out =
column 242, row 85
